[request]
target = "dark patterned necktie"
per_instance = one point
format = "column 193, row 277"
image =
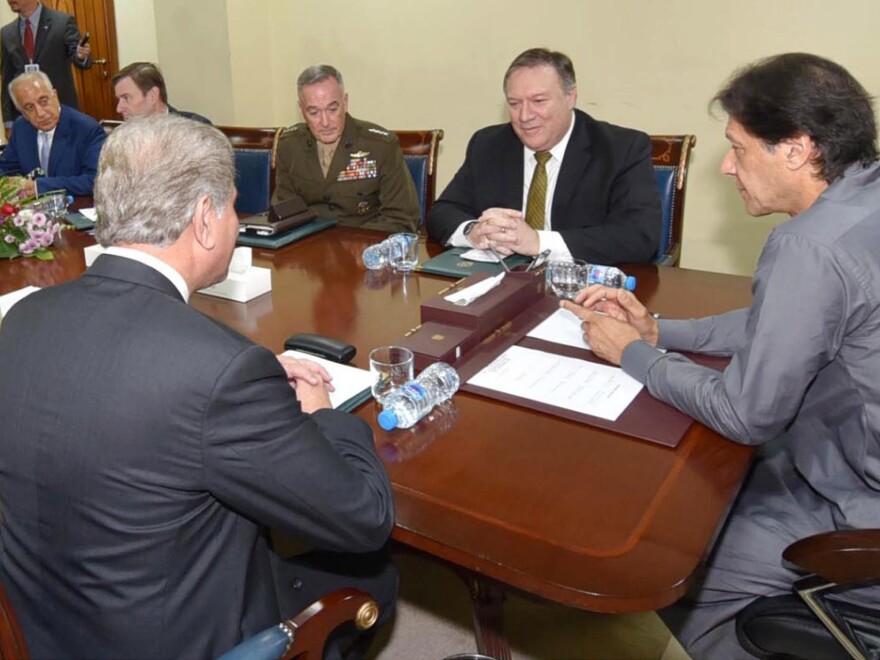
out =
column 28, row 40
column 538, row 192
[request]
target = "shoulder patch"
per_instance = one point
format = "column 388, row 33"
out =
column 292, row 130
column 378, row 131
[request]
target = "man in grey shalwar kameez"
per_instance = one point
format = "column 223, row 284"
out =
column 805, row 357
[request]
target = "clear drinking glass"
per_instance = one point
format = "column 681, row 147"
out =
column 391, row 367
column 405, row 256
column 566, row 278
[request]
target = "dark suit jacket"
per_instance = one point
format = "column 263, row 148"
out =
column 606, row 203
column 144, row 447
column 189, row 115
column 73, row 160
column 55, row 43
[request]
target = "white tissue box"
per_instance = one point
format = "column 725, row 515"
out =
column 241, row 287
column 92, row 252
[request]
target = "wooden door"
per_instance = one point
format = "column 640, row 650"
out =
column 97, row 17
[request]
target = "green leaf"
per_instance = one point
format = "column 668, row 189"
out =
column 43, row 254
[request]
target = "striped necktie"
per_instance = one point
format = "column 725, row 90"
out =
column 43, row 139
column 538, row 192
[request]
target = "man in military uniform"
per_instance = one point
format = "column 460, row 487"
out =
column 340, row 166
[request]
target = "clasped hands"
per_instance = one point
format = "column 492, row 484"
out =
column 310, row 380
column 506, row 231
column 611, row 320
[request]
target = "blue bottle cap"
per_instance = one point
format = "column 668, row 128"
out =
column 630, row 284
column 387, row 420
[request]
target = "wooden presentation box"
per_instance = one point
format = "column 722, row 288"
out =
column 448, row 331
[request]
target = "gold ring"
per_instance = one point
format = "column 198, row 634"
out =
column 504, row 230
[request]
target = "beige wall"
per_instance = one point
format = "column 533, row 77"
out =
column 438, row 63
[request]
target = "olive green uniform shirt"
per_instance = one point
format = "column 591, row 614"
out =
column 368, row 183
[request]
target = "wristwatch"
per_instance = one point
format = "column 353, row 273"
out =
column 468, row 227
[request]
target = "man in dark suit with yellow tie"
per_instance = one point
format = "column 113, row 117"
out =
column 553, row 178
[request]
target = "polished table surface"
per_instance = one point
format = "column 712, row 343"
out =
column 572, row 513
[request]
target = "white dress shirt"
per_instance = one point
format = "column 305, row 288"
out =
column 549, row 240
column 156, row 264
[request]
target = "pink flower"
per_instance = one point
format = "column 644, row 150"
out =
column 39, row 219
column 18, row 221
column 28, row 246
column 9, row 238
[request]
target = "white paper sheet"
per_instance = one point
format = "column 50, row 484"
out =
column 9, row 299
column 561, row 327
column 349, row 381
column 593, row 389
column 483, row 256
column 91, row 213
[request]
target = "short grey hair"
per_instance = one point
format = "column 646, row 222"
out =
column 317, row 73
column 32, row 76
column 152, row 172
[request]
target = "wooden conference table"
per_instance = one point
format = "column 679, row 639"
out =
column 575, row 514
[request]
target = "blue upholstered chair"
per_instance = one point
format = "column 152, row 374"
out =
column 254, row 166
column 420, row 153
column 301, row 637
column 304, row 635
column 671, row 157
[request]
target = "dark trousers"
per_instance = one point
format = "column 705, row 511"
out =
column 303, row 579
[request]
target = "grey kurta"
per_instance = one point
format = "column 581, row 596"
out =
column 805, row 359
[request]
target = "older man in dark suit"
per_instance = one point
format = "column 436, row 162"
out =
column 146, row 448
column 553, row 178
column 44, row 38
column 56, row 146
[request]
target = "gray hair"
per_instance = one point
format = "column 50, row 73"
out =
column 32, row 76
column 152, row 172
column 535, row 57
column 315, row 74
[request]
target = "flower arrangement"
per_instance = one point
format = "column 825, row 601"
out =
column 25, row 231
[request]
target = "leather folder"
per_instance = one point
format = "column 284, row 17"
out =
column 450, row 264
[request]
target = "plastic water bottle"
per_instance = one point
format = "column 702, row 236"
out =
column 407, row 405
column 610, row 276
column 378, row 256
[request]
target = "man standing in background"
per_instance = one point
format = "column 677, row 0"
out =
column 40, row 39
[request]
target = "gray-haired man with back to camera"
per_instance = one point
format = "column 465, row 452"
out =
column 167, row 443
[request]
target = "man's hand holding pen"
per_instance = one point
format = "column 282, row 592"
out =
column 612, row 319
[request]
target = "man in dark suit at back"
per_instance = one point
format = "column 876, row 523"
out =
column 56, row 146
column 146, row 448
column 553, row 178
column 46, row 39
column 140, row 91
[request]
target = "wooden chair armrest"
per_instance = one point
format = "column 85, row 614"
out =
column 315, row 623
column 843, row 557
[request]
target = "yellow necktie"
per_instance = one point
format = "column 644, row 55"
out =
column 538, row 192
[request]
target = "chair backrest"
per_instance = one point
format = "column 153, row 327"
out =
column 420, row 153
column 670, row 155
column 12, row 644
column 109, row 124
column 254, row 166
